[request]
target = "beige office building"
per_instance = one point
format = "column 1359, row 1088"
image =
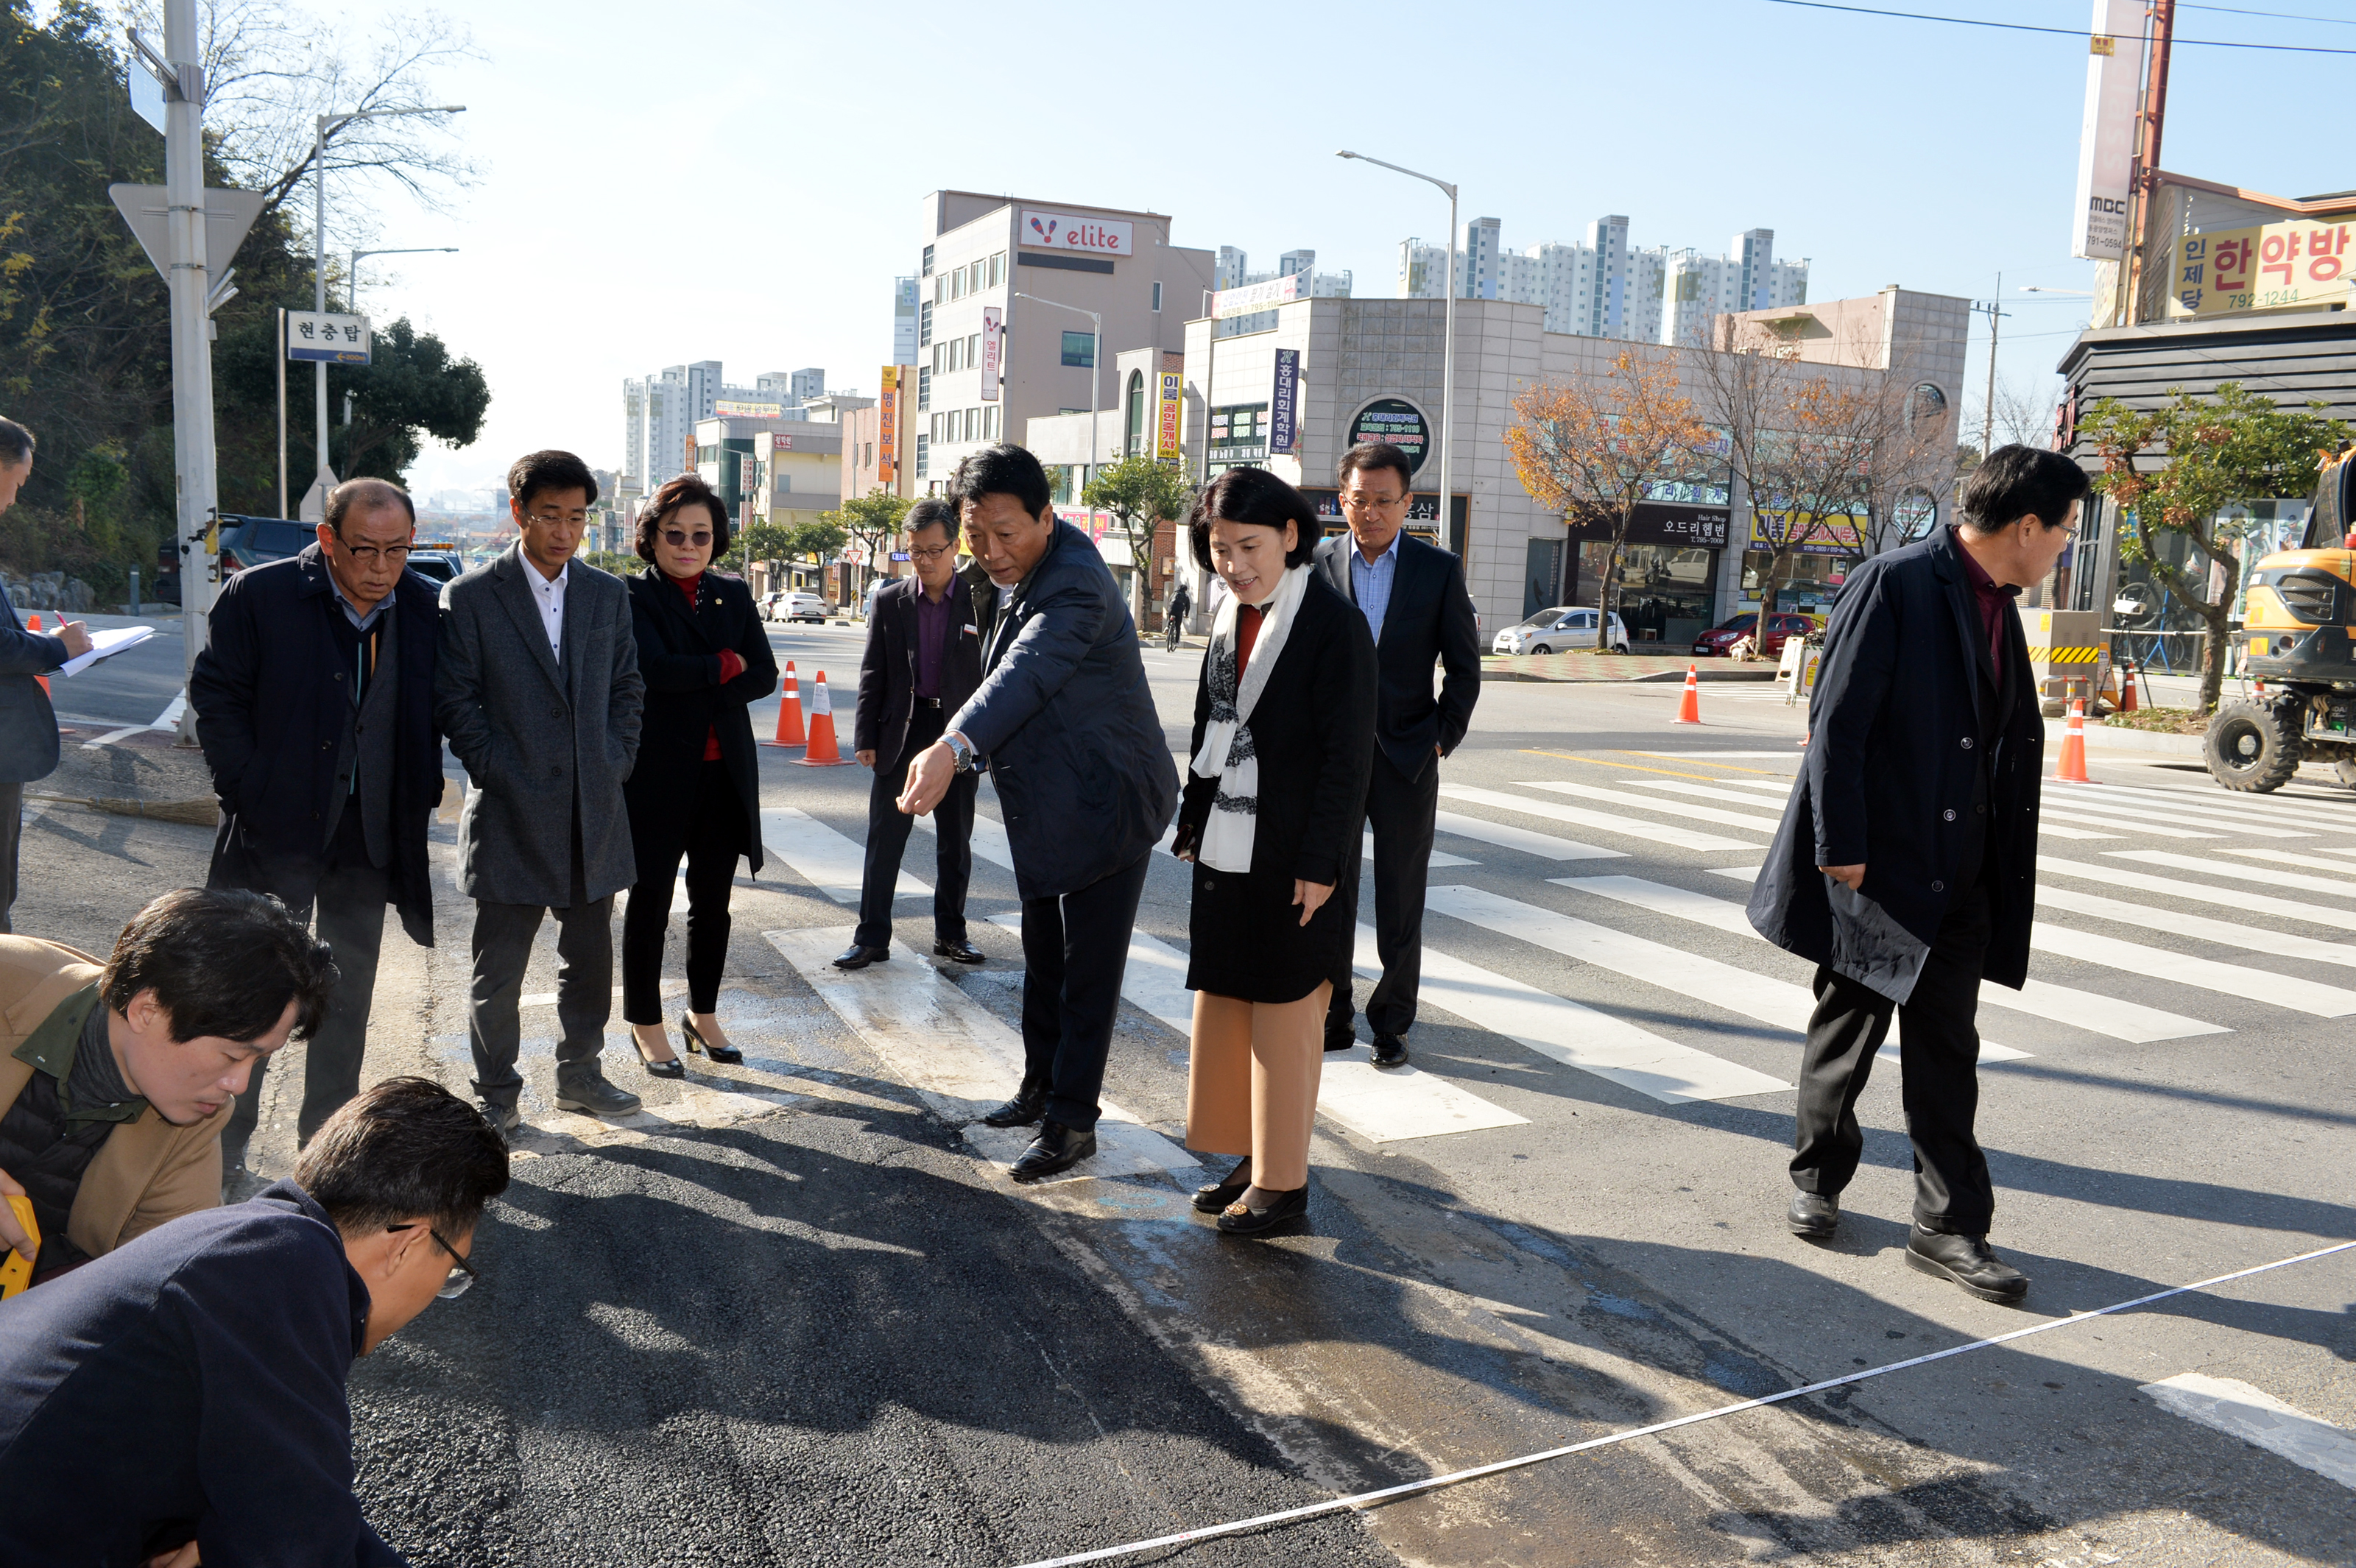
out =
column 982, row 256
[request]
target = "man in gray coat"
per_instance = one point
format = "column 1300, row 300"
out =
column 537, row 687
column 28, row 727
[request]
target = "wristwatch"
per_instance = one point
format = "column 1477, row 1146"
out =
column 962, row 750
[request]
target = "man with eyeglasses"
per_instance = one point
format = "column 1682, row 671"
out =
column 923, row 660
column 1412, row 595
column 182, row 1399
column 538, row 688
column 315, row 707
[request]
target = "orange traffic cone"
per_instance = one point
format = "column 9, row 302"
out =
column 2074, row 746
column 822, row 752
column 790, row 713
column 34, row 624
column 2128, row 673
column 1689, row 709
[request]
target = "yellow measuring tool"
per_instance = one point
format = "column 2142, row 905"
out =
column 16, row 1269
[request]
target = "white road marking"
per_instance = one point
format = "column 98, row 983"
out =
column 2055, row 830
column 2047, row 811
column 827, row 860
column 170, row 718
column 111, row 736
column 2197, row 892
column 1653, row 832
column 1779, row 1003
column 1730, row 756
column 2239, row 873
column 1507, row 837
column 2234, row 803
column 548, row 999
column 2253, row 1415
column 1713, row 792
column 2226, row 932
column 2109, row 1016
column 2304, row 857
column 2207, row 973
column 955, row 1052
column 2206, row 813
column 1667, row 807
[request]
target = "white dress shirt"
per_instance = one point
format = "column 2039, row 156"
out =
column 550, row 592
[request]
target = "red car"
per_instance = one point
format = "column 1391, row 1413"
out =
column 1715, row 643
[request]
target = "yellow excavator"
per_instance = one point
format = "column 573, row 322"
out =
column 2298, row 636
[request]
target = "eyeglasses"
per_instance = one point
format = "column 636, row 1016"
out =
column 681, row 541
column 557, row 519
column 462, row 1277
column 935, row 553
column 1360, row 498
column 367, row 554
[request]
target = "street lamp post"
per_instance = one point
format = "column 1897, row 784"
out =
column 320, row 127
column 1096, row 376
column 352, row 278
column 1464, row 546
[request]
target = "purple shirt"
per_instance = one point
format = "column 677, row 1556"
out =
column 932, row 637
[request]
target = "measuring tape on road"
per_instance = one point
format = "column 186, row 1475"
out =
column 1359, row 1501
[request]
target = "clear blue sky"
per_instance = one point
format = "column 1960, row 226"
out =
column 740, row 181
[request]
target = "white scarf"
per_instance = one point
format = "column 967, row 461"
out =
column 1228, row 753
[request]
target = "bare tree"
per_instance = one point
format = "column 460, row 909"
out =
column 271, row 69
column 2024, row 415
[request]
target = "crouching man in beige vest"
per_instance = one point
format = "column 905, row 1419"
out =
column 117, row 1079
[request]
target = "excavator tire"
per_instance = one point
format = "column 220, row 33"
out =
column 2252, row 747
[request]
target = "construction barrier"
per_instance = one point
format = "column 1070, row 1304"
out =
column 2069, row 657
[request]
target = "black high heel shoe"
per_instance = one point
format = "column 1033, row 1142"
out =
column 1226, row 1189
column 726, row 1055
column 674, row 1067
column 1237, row 1219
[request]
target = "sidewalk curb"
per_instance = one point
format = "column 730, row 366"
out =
column 2103, row 737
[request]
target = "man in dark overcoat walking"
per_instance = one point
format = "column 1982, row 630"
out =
column 1906, row 862
column 315, row 707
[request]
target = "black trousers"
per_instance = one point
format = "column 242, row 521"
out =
column 584, row 985
column 887, row 839
column 12, row 834
column 1938, row 1051
column 1400, row 810
column 1074, row 951
column 710, row 832
column 346, row 895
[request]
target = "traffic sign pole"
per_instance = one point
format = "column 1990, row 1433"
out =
column 188, row 284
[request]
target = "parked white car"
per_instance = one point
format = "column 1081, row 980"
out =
column 1559, row 630
column 795, row 604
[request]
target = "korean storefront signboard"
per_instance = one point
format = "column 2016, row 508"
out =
column 1810, row 535
column 1397, row 421
column 2300, row 264
column 887, row 429
column 1172, row 395
column 1284, row 402
column 992, row 318
column 1253, row 298
column 2106, row 137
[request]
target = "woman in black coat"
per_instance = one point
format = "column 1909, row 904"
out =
column 1284, row 736
column 695, row 790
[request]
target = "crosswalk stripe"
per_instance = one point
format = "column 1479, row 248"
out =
column 833, row 863
column 2226, row 932
column 2283, row 858
column 1668, row 807
column 2224, row 813
column 1581, row 1037
column 2207, row 973
column 1778, row 1003
column 1777, row 786
column 2055, row 830
column 2255, row 807
column 2126, row 1020
column 1635, row 827
column 2333, row 849
column 1380, row 1105
column 2239, row 873
column 2047, row 811
column 955, row 1052
column 2247, row 1413
column 1713, row 792
column 2195, row 892
column 1507, row 837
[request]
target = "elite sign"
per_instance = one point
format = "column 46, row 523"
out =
column 1064, row 231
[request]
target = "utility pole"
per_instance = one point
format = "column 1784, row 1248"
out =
column 188, row 284
column 1993, row 310
column 2146, row 169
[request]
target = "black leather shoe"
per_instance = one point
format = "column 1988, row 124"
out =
column 670, row 1067
column 1237, row 1219
column 1056, row 1148
column 1967, row 1260
column 1390, row 1050
column 1812, row 1215
column 1226, row 1189
column 961, row 950
column 726, row 1055
column 858, row 957
column 1027, row 1107
column 500, row 1113
column 592, row 1095
column 1341, row 1039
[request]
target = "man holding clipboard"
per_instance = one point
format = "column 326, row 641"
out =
column 28, row 725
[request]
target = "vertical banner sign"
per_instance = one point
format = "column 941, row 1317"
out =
column 1284, row 402
column 2106, row 140
column 991, row 315
column 887, row 428
column 1173, row 384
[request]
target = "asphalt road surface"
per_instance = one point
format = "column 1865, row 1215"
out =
column 793, row 1312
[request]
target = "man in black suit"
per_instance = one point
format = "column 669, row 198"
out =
column 923, row 660
column 1906, row 862
column 29, row 728
column 1413, row 597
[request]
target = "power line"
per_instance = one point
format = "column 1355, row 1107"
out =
column 2282, row 15
column 2064, row 32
